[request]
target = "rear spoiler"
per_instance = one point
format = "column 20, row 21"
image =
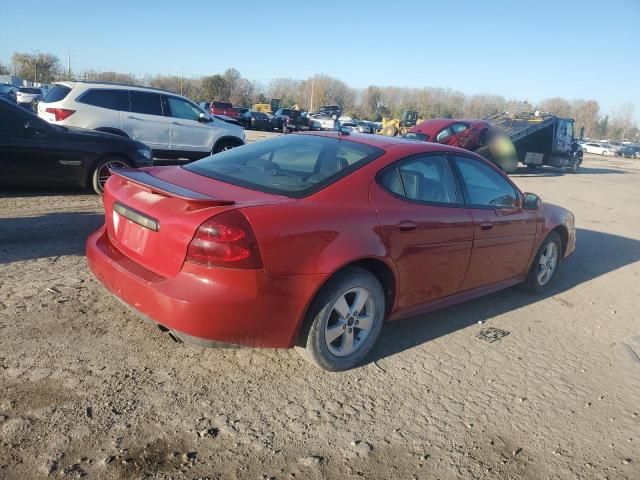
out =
column 157, row 185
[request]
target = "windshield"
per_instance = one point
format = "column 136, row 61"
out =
column 292, row 165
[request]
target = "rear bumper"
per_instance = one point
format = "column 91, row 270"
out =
column 205, row 305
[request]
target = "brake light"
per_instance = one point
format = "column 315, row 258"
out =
column 226, row 240
column 60, row 113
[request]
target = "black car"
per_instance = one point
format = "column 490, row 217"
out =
column 630, row 151
column 241, row 110
column 36, row 152
column 255, row 120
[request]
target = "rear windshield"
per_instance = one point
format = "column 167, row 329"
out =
column 416, row 136
column 291, row 165
column 57, row 93
column 221, row 105
column 30, row 90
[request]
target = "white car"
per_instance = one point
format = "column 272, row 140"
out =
column 598, row 148
column 27, row 95
column 171, row 125
column 321, row 122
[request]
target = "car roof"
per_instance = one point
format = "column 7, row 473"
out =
column 434, row 125
column 391, row 144
column 115, row 85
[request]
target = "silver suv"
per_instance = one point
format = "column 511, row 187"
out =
column 171, row 125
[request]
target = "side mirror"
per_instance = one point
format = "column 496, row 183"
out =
column 204, row 118
column 531, row 201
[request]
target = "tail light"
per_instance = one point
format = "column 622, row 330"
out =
column 60, row 113
column 226, row 240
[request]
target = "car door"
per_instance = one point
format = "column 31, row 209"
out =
column 425, row 226
column 146, row 121
column 504, row 233
column 31, row 150
column 189, row 133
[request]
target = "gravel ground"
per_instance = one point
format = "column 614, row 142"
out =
column 88, row 389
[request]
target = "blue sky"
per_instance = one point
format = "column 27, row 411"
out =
column 524, row 50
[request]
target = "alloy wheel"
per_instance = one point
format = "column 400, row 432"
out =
column 104, row 173
column 350, row 322
column 547, row 263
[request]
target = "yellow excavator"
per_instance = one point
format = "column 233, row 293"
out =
column 394, row 126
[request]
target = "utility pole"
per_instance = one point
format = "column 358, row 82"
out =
column 181, row 79
column 68, row 63
column 311, row 103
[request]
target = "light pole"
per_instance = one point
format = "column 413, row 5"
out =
column 35, row 66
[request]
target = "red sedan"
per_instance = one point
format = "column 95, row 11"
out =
column 469, row 134
column 313, row 240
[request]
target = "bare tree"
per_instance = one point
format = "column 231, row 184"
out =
column 38, row 67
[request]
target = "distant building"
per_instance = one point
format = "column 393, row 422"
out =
column 12, row 80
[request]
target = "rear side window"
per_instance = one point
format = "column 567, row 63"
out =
column 57, row 93
column 146, row 102
column 425, row 179
column 291, row 165
column 416, row 136
column 30, row 90
column 112, row 99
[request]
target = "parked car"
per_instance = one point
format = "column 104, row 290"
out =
column 350, row 127
column 313, row 240
column 222, row 108
column 256, row 120
column 26, row 96
column 630, row 151
column 36, row 152
column 598, row 148
column 287, row 120
column 330, row 111
column 173, row 126
column 240, row 110
column 321, row 122
column 8, row 91
column 469, row 134
column 365, row 127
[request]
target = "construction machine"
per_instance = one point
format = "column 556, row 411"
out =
column 393, row 126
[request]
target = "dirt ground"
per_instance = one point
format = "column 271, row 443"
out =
column 89, row 389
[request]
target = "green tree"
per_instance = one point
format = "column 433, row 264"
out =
column 39, row 67
column 214, row 87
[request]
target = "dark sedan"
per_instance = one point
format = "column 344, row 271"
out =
column 630, row 151
column 255, row 120
column 36, row 152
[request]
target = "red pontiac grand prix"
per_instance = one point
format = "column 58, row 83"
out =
column 314, row 240
column 469, row 134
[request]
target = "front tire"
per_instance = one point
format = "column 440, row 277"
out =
column 344, row 321
column 545, row 264
column 224, row 145
column 100, row 173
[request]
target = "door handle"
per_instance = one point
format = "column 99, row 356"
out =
column 486, row 226
column 407, row 226
column 133, row 118
column 176, row 123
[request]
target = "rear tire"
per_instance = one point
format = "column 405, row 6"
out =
column 100, row 173
column 344, row 321
column 545, row 264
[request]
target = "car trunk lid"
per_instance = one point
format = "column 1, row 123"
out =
column 152, row 214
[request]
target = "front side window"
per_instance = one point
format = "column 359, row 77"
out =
column 182, row 109
column 291, row 165
column 485, row 186
column 112, row 99
column 13, row 121
column 425, row 179
column 146, row 102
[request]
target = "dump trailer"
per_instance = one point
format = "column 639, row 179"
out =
column 538, row 138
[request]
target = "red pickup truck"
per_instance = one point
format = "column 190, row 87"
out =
column 223, row 108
